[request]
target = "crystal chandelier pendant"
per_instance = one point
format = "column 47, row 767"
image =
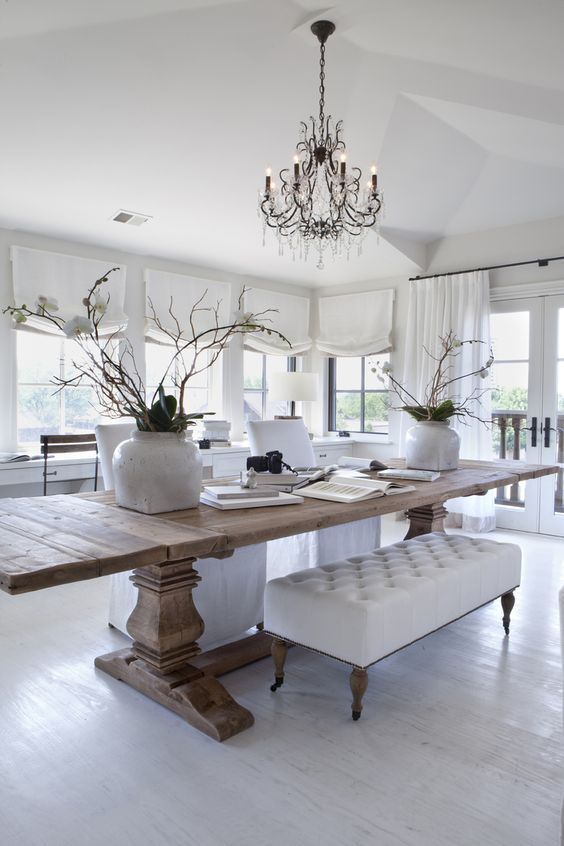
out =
column 319, row 201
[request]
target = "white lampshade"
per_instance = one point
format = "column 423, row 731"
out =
column 295, row 387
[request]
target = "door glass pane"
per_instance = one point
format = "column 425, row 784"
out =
column 559, row 434
column 510, row 335
column 510, row 380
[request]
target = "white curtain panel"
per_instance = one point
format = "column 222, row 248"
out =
column 183, row 292
column 290, row 317
column 356, row 324
column 68, row 279
column 460, row 303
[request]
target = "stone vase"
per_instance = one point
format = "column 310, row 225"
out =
column 432, row 445
column 158, row 471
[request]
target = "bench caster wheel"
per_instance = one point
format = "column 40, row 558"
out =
column 278, row 683
column 356, row 715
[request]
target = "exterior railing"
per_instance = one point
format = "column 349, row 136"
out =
column 509, row 435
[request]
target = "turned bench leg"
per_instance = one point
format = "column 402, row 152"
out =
column 279, row 650
column 359, row 683
column 507, row 603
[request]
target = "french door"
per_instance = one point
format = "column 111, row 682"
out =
column 528, row 408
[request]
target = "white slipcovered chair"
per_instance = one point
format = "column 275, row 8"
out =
column 312, row 549
column 230, row 597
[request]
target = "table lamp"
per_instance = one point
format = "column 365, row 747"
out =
column 292, row 386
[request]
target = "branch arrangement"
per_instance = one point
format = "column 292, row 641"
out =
column 108, row 364
column 437, row 404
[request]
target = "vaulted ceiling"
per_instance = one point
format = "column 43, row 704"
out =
column 174, row 107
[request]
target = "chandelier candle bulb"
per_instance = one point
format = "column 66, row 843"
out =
column 296, row 168
column 374, row 177
column 343, row 164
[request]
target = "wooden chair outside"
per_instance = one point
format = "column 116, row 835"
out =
column 57, row 444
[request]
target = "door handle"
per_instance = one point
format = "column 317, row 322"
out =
column 533, row 430
column 547, row 429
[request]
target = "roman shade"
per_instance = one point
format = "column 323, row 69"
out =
column 164, row 289
column 68, row 279
column 291, row 318
column 356, row 324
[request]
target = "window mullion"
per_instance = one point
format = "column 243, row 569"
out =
column 362, row 394
column 61, row 394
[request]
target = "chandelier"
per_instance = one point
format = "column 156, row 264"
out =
column 319, row 202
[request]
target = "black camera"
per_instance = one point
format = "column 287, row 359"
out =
column 269, row 463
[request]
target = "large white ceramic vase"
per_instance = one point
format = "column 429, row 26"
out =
column 158, row 471
column 432, row 445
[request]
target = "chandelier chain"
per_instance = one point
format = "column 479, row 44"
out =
column 322, row 87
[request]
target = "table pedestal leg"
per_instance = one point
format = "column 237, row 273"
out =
column 165, row 626
column 425, row 519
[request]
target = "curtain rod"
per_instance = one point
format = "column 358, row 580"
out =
column 541, row 263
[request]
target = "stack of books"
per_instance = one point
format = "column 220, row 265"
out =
column 232, row 496
column 283, row 482
column 217, row 432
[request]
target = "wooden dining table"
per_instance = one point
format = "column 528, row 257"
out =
column 55, row 540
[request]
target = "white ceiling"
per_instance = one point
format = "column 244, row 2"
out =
column 174, row 107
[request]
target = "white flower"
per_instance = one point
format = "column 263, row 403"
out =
column 47, row 303
column 100, row 304
column 386, row 367
column 77, row 326
column 19, row 317
column 456, row 343
column 484, row 373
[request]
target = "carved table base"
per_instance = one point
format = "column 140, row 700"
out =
column 200, row 700
column 425, row 519
column 165, row 625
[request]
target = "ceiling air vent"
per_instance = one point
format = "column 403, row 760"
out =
column 131, row 218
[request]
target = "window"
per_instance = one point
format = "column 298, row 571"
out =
column 40, row 409
column 358, row 401
column 257, row 371
column 197, row 395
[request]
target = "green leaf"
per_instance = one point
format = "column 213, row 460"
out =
column 167, row 403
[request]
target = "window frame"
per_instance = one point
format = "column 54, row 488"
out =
column 362, row 391
column 64, row 359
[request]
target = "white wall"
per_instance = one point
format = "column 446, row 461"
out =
column 522, row 242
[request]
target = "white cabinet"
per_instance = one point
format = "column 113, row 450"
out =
column 331, row 452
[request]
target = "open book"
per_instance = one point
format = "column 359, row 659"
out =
column 353, row 489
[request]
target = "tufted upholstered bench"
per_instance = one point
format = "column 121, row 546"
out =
column 366, row 607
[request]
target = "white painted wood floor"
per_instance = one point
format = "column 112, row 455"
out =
column 459, row 744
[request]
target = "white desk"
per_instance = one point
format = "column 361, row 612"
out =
column 25, row 478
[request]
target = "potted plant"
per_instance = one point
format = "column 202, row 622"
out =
column 431, row 444
column 159, row 468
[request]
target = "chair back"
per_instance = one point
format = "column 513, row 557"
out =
column 58, row 444
column 109, row 436
column 289, row 436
